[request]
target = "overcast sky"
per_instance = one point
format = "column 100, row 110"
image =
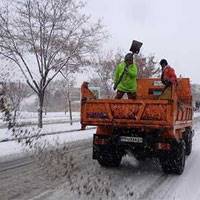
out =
column 169, row 29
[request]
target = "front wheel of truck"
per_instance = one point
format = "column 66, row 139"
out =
column 174, row 163
column 110, row 160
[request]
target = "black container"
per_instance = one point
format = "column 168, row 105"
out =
column 135, row 47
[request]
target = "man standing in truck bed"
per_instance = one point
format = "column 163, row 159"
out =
column 168, row 76
column 127, row 72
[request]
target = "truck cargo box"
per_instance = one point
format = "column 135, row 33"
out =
column 172, row 109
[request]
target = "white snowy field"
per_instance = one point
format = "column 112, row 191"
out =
column 133, row 180
column 50, row 116
column 197, row 114
column 34, row 115
column 48, row 128
column 13, row 147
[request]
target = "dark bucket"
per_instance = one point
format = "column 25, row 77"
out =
column 135, row 47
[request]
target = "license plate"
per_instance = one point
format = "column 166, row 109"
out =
column 131, row 139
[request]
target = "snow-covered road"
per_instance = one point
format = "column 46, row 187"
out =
column 132, row 180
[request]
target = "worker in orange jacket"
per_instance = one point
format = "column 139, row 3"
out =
column 86, row 94
column 168, row 76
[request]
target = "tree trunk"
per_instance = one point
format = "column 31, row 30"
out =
column 70, row 107
column 70, row 112
column 12, row 120
column 65, row 107
column 14, row 117
column 45, row 110
column 40, row 109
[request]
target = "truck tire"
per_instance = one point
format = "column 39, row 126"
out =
column 110, row 160
column 188, row 143
column 174, row 163
column 139, row 157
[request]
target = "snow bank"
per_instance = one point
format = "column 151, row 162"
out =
column 13, row 147
column 196, row 114
column 9, row 148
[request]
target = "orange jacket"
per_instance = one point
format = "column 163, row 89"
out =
column 168, row 76
column 85, row 92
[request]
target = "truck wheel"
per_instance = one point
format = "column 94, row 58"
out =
column 139, row 157
column 188, row 143
column 112, row 160
column 174, row 163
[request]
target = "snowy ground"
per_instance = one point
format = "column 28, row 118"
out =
column 34, row 115
column 133, row 180
column 30, row 116
column 25, row 117
column 15, row 148
column 197, row 114
column 6, row 134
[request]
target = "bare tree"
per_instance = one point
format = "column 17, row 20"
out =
column 147, row 66
column 67, row 86
column 46, row 100
column 42, row 37
column 4, row 106
column 15, row 93
column 104, row 67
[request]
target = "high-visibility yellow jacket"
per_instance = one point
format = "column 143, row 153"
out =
column 128, row 82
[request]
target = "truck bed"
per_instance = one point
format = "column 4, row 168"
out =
column 171, row 110
column 131, row 113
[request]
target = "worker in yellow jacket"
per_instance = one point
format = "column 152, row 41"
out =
column 125, row 78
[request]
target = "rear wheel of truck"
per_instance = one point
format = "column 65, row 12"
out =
column 139, row 157
column 110, row 160
column 188, row 142
column 174, row 163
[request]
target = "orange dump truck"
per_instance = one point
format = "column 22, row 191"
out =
column 158, row 123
